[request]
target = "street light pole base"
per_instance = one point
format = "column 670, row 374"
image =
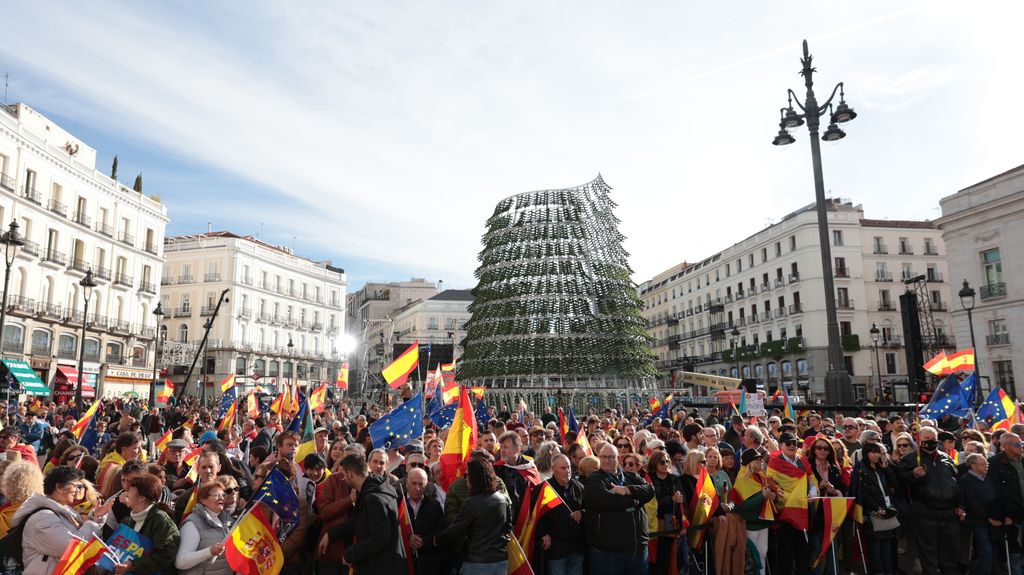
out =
column 838, row 390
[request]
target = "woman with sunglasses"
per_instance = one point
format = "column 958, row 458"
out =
column 667, row 510
column 822, row 458
column 231, row 495
column 633, row 463
column 624, row 446
column 203, row 533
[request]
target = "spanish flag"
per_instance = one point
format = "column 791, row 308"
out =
column 938, row 365
column 749, row 485
column 166, row 392
column 794, row 481
column 36, row 403
column 449, row 391
column 399, row 370
column 961, row 361
column 478, row 391
column 80, row 556
column 517, row 562
column 190, row 459
column 229, row 416
column 252, row 548
column 654, row 403
column 835, row 509
column 405, row 528
column 83, row 423
column 563, row 425
column 461, row 441
column 193, row 498
column 252, row 408
column 702, row 508
column 275, row 406
column 318, row 398
column 342, row 381
column 161, row 443
column 583, row 442
column 228, row 383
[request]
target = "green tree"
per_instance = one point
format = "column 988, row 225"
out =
column 554, row 297
column 138, row 183
column 113, row 169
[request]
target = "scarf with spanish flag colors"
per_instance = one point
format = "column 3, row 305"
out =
column 794, row 481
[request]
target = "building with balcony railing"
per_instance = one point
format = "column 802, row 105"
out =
column 769, row 288
column 72, row 214
column 274, row 296
column 983, row 226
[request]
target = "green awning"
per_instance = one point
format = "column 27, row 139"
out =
column 26, row 376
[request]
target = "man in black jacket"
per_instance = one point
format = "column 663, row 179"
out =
column 935, row 504
column 561, row 529
column 516, row 485
column 376, row 543
column 427, row 519
column 615, row 521
column 1006, row 474
column 979, row 497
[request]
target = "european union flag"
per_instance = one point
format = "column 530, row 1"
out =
column 91, row 435
column 226, row 400
column 570, row 418
column 296, row 423
column 442, row 415
column 993, row 409
column 277, row 493
column 435, row 404
column 952, row 397
column 401, row 426
column 482, row 417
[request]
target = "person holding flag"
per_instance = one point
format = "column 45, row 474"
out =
column 201, row 551
column 561, row 530
column 615, row 521
column 791, row 472
column 753, row 497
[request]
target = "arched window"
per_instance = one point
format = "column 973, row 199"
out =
column 746, row 372
column 787, row 369
column 67, row 345
column 759, row 371
column 115, row 353
column 139, row 356
column 801, row 367
column 183, row 333
column 733, row 373
column 42, row 341
column 314, row 372
column 163, row 332
column 92, row 349
column 275, row 369
column 773, row 370
column 287, row 369
column 259, row 366
column 14, row 338
column 241, row 364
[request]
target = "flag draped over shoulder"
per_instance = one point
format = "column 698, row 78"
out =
column 702, row 507
column 398, row 371
column 461, row 441
column 748, row 485
column 251, row 548
column 402, row 425
column 835, row 510
column 794, row 483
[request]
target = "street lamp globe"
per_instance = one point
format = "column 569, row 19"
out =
column 875, row 332
column 792, row 119
column 87, row 284
column 783, row 138
column 967, row 296
column 843, row 114
column 833, row 133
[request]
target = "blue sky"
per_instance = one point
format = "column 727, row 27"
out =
column 380, row 135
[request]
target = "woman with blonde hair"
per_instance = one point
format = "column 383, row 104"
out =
column 20, row 481
column 719, row 476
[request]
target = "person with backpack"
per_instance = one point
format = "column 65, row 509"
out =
column 41, row 525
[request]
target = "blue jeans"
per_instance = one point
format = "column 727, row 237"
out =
column 500, row 568
column 983, row 547
column 568, row 565
column 602, row 563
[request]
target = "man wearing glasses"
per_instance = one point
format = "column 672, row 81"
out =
column 791, row 540
column 615, row 521
column 851, row 435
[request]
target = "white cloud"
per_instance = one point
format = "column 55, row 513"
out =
column 392, row 129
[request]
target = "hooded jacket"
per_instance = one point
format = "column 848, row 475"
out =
column 377, row 545
column 46, row 534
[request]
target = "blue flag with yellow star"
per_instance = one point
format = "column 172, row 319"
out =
column 277, row 493
column 482, row 417
column 951, row 398
column 401, row 426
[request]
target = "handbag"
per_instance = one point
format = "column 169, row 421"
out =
column 880, row 523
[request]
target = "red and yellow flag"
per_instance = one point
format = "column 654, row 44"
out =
column 461, row 441
column 252, row 408
column 517, row 561
column 318, row 398
column 398, row 371
column 937, row 365
column 961, row 361
column 794, row 482
column 161, row 443
column 252, row 548
column 478, row 391
column 655, row 404
column 229, row 416
column 835, row 509
column 405, row 528
column 80, row 556
column 748, row 485
column 342, row 381
column 275, row 406
column 583, row 442
column 83, row 423
column 166, row 392
column 227, row 383
column 702, row 508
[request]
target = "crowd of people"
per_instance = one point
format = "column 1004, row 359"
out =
column 942, row 497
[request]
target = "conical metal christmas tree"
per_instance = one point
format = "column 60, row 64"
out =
column 555, row 301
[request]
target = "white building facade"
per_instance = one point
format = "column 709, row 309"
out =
column 757, row 309
column 281, row 319
column 980, row 226
column 76, row 219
